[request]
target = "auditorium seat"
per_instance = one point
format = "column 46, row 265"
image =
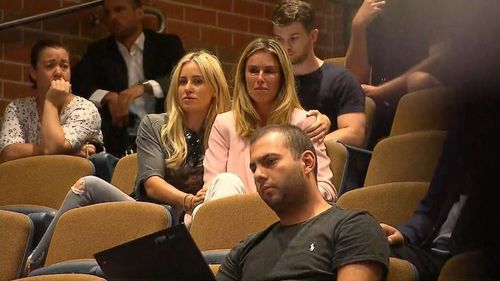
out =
column 125, row 173
column 40, row 181
column 16, row 234
column 407, row 157
column 390, row 203
column 84, row 231
column 430, row 109
column 63, row 277
column 222, row 223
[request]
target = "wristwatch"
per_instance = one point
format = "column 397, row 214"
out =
column 148, row 88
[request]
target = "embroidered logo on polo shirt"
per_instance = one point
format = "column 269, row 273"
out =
column 311, row 247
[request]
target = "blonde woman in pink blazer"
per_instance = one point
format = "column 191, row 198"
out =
column 264, row 93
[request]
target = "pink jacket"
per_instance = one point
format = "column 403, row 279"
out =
column 228, row 152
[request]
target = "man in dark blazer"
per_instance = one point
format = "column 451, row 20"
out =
column 127, row 74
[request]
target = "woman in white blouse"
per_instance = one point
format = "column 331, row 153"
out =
column 54, row 121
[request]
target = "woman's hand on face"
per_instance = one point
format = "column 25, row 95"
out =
column 58, row 92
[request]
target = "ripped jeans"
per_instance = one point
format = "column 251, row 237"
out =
column 86, row 191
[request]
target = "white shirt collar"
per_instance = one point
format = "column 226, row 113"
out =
column 138, row 44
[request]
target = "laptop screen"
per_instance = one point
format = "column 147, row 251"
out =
column 169, row 254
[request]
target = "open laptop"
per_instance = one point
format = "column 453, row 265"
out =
column 169, row 254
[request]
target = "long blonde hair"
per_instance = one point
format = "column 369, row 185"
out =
column 172, row 132
column 246, row 117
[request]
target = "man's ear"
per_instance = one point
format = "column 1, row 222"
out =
column 308, row 161
column 314, row 35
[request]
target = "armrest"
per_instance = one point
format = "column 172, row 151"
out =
column 85, row 266
column 215, row 256
column 359, row 159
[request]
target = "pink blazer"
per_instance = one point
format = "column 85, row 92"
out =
column 228, row 152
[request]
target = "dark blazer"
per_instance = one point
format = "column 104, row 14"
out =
column 102, row 67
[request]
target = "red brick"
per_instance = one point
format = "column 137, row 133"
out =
column 216, row 36
column 268, row 11
column 185, row 30
column 261, row 27
column 233, row 22
column 16, row 90
column 248, row 8
column 200, row 16
column 188, row 2
column 37, row 6
column 151, row 22
column 11, row 71
column 77, row 46
column 91, row 24
column 67, row 24
column 228, row 54
column 221, row 5
column 26, row 74
column 3, row 105
column 241, row 40
column 11, row 4
column 170, row 11
column 20, row 51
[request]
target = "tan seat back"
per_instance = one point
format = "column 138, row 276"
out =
column 390, row 203
column 63, row 277
column 340, row 61
column 125, row 173
column 464, row 266
column 222, row 223
column 339, row 157
column 16, row 234
column 41, row 180
column 82, row 232
column 430, row 109
column 401, row 270
column 408, row 157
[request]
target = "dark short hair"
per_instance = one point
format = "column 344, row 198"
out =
column 295, row 140
column 37, row 49
column 290, row 11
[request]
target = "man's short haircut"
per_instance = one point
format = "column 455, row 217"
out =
column 294, row 138
column 290, row 11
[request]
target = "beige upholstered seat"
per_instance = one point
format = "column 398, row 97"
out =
column 84, row 231
column 62, row 277
column 222, row 223
column 430, row 109
column 464, row 266
column 41, row 180
column 339, row 157
column 16, row 234
column 408, row 157
column 391, row 203
column 125, row 173
column 340, row 61
column 401, row 270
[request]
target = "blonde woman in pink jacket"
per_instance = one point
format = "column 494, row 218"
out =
column 264, row 93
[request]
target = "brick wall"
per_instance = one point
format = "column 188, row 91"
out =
column 222, row 26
